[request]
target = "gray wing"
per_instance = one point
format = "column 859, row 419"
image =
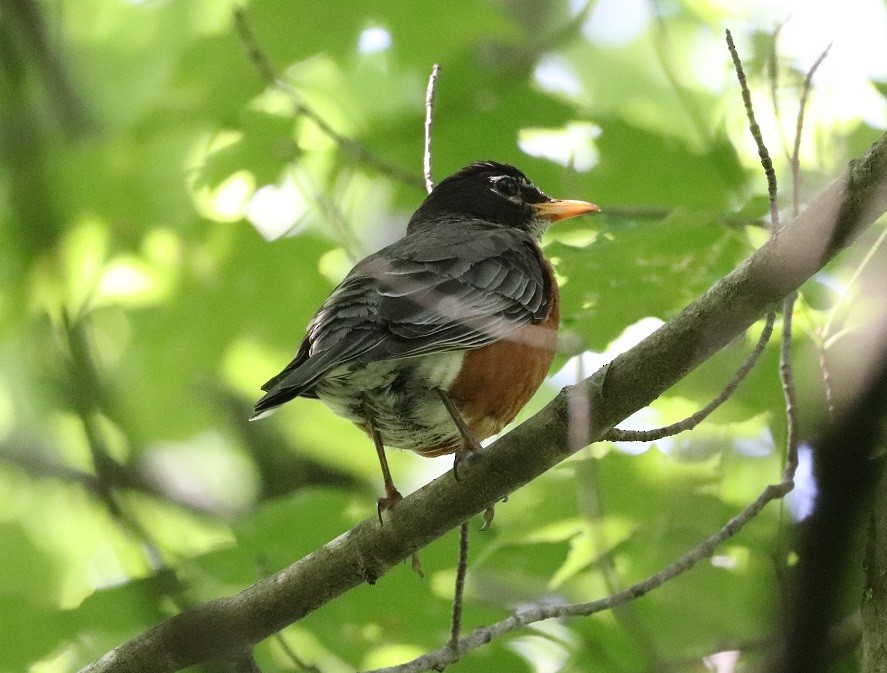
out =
column 461, row 289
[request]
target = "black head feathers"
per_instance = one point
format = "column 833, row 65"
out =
column 486, row 190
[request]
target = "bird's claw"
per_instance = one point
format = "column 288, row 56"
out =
column 489, row 513
column 390, row 500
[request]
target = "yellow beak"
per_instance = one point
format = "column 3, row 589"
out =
column 556, row 209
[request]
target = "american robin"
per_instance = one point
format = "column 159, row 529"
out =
column 438, row 340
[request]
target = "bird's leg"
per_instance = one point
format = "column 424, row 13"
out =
column 392, row 495
column 469, row 441
column 489, row 513
column 470, row 446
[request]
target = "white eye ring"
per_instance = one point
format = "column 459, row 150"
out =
column 506, row 186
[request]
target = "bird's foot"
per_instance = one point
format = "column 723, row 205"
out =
column 471, row 443
column 489, row 513
column 391, row 498
column 468, row 449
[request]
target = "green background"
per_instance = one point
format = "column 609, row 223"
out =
column 141, row 308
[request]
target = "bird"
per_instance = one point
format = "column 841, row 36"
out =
column 435, row 342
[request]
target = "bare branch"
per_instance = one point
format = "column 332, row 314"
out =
column 787, row 377
column 848, row 466
column 785, row 369
column 826, row 331
column 799, row 128
column 756, row 133
column 620, row 435
column 429, row 109
column 656, row 213
column 246, row 664
column 692, row 421
column 353, row 149
column 291, row 653
column 626, row 615
column 786, row 373
column 773, row 79
column 459, row 591
column 826, row 375
column 481, row 636
column 37, row 463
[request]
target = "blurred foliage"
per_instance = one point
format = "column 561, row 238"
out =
column 169, row 222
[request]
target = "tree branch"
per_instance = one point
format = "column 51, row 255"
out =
column 429, row 110
column 350, row 147
column 480, row 636
column 630, row 382
column 693, row 420
column 766, row 162
column 66, row 99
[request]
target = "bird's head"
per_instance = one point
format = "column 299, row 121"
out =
column 499, row 194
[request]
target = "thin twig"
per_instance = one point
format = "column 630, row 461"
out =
column 620, row 435
column 38, row 464
column 773, row 70
column 429, row 108
column 247, row 664
column 845, row 293
column 90, row 399
column 826, row 373
column 459, row 592
column 332, row 212
column 291, row 653
column 773, row 78
column 444, row 656
column 355, row 150
column 785, row 369
column 662, row 47
column 799, row 127
column 755, row 130
column 262, row 567
column 786, row 374
column 462, row 567
column 84, row 378
column 655, row 213
column 787, row 377
column 627, row 615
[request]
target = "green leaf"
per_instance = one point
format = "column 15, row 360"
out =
column 650, row 269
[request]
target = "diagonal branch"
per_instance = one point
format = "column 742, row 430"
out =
column 630, row 382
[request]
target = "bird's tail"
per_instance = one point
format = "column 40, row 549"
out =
column 271, row 400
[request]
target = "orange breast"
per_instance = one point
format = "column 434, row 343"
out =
column 496, row 381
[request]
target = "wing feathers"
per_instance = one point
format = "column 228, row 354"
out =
column 463, row 287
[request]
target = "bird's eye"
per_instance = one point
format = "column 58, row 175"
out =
column 507, row 187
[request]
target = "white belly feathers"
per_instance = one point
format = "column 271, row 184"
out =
column 400, row 394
